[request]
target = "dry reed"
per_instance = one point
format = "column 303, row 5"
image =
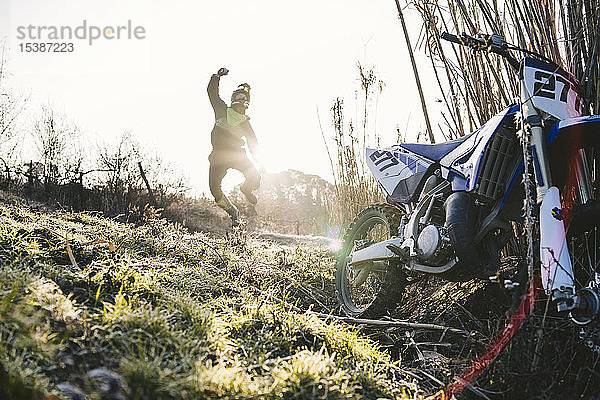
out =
column 475, row 86
column 355, row 187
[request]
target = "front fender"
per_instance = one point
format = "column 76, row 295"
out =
column 555, row 262
column 574, row 126
column 565, row 138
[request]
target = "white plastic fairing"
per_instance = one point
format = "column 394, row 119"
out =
column 394, row 164
column 552, row 89
column 557, row 271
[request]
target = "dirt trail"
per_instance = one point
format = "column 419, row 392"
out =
column 281, row 238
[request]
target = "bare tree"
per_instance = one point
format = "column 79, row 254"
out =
column 165, row 179
column 119, row 160
column 11, row 107
column 54, row 137
column 125, row 165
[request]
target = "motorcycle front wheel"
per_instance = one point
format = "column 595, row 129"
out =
column 583, row 239
column 370, row 289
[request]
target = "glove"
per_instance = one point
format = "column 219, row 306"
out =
column 223, row 71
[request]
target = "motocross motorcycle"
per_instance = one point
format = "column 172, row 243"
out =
column 453, row 207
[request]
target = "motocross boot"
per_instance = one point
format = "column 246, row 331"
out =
column 232, row 210
column 249, row 195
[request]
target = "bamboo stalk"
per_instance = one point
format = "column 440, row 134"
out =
column 482, row 84
column 416, row 73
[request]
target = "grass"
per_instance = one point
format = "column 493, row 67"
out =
column 169, row 314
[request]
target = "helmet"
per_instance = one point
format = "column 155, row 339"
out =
column 241, row 95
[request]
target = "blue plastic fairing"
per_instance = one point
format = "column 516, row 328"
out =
column 436, row 151
column 461, row 165
column 559, row 126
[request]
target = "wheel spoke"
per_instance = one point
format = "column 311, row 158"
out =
column 584, row 253
column 369, row 288
column 364, row 282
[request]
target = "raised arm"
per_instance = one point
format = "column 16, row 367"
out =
column 213, row 90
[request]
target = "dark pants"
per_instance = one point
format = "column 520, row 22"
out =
column 220, row 162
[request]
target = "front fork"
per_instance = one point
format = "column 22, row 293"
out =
column 556, row 267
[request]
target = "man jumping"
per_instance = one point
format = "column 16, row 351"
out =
column 231, row 124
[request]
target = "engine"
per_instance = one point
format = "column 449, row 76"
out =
column 442, row 230
column 433, row 245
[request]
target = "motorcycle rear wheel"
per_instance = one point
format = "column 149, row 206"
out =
column 372, row 289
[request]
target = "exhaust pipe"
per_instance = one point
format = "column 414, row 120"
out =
column 459, row 225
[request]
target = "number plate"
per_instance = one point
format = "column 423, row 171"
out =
column 393, row 164
column 553, row 90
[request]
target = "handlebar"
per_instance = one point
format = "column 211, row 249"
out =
column 494, row 43
column 450, row 37
column 466, row 40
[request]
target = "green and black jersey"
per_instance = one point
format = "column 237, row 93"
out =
column 230, row 126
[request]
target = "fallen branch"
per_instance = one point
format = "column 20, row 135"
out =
column 398, row 324
column 70, row 253
column 362, row 321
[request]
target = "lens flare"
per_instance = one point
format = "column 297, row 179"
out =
column 336, row 243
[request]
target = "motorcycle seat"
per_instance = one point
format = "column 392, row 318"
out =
column 434, row 152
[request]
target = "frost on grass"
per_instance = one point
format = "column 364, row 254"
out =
column 169, row 314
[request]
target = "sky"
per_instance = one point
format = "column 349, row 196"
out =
column 297, row 56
